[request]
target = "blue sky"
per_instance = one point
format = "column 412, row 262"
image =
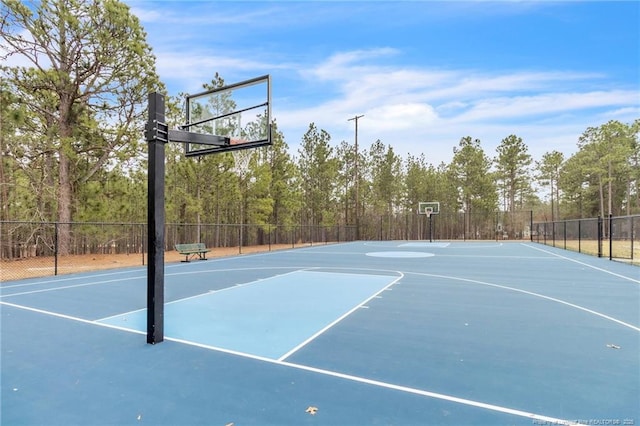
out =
column 423, row 73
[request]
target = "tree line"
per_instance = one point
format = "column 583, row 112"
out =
column 71, row 140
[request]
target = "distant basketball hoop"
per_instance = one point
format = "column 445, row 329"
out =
column 429, row 209
column 428, row 212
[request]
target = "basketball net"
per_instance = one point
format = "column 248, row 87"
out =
column 241, row 160
column 428, row 211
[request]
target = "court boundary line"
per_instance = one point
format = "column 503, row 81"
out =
column 65, row 287
column 457, row 244
column 44, row 290
column 62, row 278
column 71, row 318
column 583, row 263
column 378, row 383
column 143, row 268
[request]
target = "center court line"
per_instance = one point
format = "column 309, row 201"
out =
column 583, row 264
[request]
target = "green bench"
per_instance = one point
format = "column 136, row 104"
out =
column 192, row 250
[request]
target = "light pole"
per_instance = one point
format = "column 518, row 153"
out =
column 355, row 119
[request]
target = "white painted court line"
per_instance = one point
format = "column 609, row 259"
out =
column 400, row 254
column 406, row 389
column 583, row 264
column 207, row 293
column 44, row 290
column 386, row 385
column 69, row 317
column 336, row 321
column 424, row 244
column 72, row 278
column 501, row 256
column 530, row 293
column 343, row 376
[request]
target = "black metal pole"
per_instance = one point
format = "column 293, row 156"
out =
column 610, row 236
column 55, row 248
column 599, row 236
column 157, row 137
column 356, row 118
column 531, row 225
column 579, row 236
column 631, row 234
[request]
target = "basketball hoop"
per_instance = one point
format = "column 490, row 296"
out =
column 428, row 211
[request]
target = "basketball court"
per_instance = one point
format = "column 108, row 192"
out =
column 362, row 333
column 401, row 332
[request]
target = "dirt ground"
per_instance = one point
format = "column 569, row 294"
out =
column 45, row 266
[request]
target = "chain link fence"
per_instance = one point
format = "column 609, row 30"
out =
column 612, row 237
column 35, row 249
column 450, row 226
column 32, row 249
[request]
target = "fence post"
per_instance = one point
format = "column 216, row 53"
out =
column 610, row 236
column 631, row 236
column 579, row 235
column 55, row 248
column 599, row 236
column 531, row 225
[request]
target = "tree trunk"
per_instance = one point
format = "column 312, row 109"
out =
column 4, row 204
column 64, row 174
column 64, row 205
column 601, row 193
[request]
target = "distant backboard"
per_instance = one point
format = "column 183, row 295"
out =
column 429, row 207
column 238, row 114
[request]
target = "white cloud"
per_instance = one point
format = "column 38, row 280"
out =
column 428, row 111
column 401, row 116
column 544, row 104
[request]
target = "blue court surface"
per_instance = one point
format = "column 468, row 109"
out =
column 364, row 333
